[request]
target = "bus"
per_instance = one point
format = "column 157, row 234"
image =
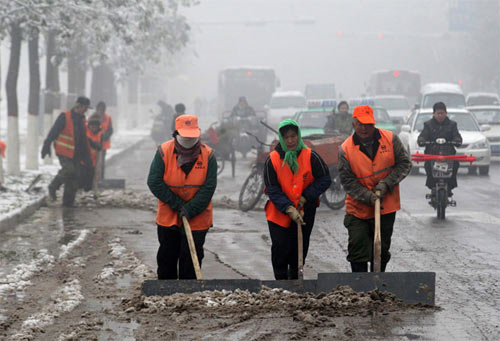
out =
column 257, row 84
column 395, row 82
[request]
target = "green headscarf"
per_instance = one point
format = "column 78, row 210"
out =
column 290, row 155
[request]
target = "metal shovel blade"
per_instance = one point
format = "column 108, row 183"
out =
column 410, row 287
column 188, row 286
column 112, row 184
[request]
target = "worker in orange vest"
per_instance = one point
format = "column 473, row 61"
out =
column 107, row 131
column 370, row 160
column 69, row 136
column 183, row 176
column 295, row 177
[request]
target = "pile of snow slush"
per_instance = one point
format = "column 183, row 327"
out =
column 341, row 301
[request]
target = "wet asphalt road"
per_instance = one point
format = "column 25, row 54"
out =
column 463, row 250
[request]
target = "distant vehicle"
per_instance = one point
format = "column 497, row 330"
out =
column 397, row 107
column 489, row 115
column 383, row 119
column 482, row 98
column 312, row 121
column 474, row 141
column 449, row 93
column 257, row 84
column 283, row 105
column 320, row 91
column 395, row 82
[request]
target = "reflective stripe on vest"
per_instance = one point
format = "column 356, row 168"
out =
column 292, row 184
column 184, row 186
column 106, row 122
column 369, row 173
column 64, row 145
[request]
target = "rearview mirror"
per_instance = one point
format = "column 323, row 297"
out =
column 405, row 128
column 485, row 127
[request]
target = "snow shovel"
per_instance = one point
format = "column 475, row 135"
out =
column 377, row 243
column 97, row 174
column 101, row 183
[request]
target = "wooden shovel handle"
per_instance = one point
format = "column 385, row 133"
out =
column 300, row 250
column 377, row 242
column 192, row 248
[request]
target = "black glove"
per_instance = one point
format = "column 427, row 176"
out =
column 373, row 197
column 183, row 213
column 382, row 187
column 46, row 150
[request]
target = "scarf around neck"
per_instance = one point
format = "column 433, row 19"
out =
column 184, row 155
column 290, row 155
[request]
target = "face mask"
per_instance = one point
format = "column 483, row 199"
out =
column 187, row 142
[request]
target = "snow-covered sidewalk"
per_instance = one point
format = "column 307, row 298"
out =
column 16, row 203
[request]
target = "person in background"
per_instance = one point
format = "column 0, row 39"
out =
column 107, row 131
column 183, row 177
column 295, row 177
column 242, row 108
column 3, row 147
column 371, row 161
column 69, row 135
column 340, row 122
column 180, row 109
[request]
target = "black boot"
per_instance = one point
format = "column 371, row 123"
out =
column 359, row 267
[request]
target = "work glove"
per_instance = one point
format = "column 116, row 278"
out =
column 373, row 197
column 295, row 215
column 302, row 202
column 46, row 150
column 382, row 187
column 183, row 213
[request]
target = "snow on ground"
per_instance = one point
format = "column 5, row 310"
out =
column 15, row 200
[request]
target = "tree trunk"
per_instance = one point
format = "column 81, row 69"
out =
column 52, row 95
column 77, row 72
column 103, row 85
column 33, row 102
column 13, row 164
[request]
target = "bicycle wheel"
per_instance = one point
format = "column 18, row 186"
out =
column 220, row 162
column 334, row 196
column 442, row 201
column 252, row 190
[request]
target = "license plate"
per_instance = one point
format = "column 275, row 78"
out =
column 441, row 166
column 495, row 149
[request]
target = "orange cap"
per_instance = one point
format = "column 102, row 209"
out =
column 3, row 146
column 187, row 126
column 364, row 114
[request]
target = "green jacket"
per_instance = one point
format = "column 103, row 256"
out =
column 160, row 190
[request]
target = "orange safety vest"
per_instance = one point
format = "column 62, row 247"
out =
column 65, row 142
column 105, row 124
column 184, row 186
column 95, row 138
column 291, row 184
column 369, row 173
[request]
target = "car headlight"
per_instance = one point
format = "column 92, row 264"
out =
column 483, row 144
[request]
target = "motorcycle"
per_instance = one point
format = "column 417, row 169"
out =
column 442, row 170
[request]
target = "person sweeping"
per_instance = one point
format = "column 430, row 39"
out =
column 295, row 176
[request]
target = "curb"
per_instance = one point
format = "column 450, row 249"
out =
column 26, row 211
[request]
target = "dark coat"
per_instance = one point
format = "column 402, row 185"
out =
column 433, row 130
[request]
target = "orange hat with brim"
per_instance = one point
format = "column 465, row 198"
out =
column 3, row 146
column 187, row 126
column 364, row 114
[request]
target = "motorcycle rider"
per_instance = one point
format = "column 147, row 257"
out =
column 242, row 109
column 440, row 126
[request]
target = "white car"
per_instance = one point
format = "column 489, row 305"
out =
column 482, row 98
column 397, row 106
column 474, row 141
column 284, row 104
column 489, row 115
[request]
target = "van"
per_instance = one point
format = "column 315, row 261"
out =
column 448, row 93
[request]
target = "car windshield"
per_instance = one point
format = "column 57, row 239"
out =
column 312, row 119
column 288, row 102
column 381, row 115
column 487, row 116
column 465, row 121
column 392, row 103
column 482, row 100
column 451, row 100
